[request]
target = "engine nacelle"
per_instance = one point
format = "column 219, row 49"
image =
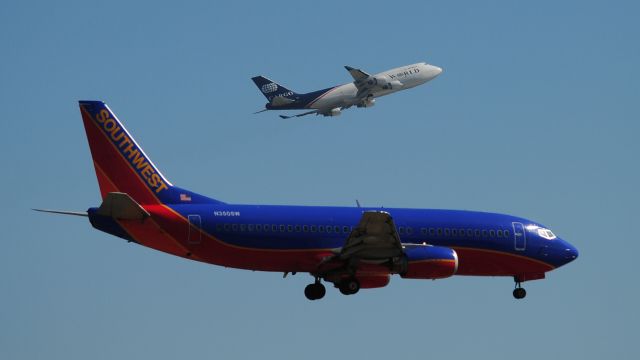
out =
column 367, row 103
column 383, row 82
column 395, row 84
column 429, row 262
column 334, row 112
column 373, row 281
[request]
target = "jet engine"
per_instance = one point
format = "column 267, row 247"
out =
column 383, row 82
column 429, row 262
column 373, row 281
column 368, row 102
column 333, row 112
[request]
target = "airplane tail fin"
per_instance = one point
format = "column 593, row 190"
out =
column 271, row 89
column 122, row 166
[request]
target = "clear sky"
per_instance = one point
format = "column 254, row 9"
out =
column 535, row 115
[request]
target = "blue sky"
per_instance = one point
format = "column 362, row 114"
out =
column 535, row 115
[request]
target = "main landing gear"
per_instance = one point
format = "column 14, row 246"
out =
column 315, row 291
column 349, row 286
column 519, row 292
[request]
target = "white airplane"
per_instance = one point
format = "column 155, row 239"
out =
column 360, row 93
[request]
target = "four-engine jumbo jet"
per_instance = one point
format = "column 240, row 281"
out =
column 351, row 247
column 361, row 92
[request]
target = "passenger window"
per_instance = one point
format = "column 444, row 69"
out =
column 336, row 229
column 259, row 228
column 345, row 229
column 234, row 227
column 274, row 228
column 477, row 232
column 454, row 232
column 218, row 227
column 432, row 231
column 469, row 233
column 289, row 228
column 423, row 231
column 484, row 233
column 297, row 228
column 409, row 230
column 506, row 233
column 313, row 228
column 305, row 228
column 243, row 227
column 439, row 231
column 499, row 233
column 281, row 228
column 492, row 233
column 250, row 227
column 227, row 227
column 447, row 232
column 401, row 230
column 321, row 228
column 329, row 229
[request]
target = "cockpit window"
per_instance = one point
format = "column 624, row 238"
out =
column 546, row 233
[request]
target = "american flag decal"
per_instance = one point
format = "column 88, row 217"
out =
column 185, row 197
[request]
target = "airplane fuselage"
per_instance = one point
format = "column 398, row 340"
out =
column 296, row 238
column 347, row 95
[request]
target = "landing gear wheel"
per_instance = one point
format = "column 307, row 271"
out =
column 315, row 291
column 349, row 287
column 519, row 293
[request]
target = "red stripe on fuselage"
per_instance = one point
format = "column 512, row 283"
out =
column 148, row 232
column 320, row 97
column 482, row 262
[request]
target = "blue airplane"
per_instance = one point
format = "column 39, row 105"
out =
column 352, row 248
column 362, row 92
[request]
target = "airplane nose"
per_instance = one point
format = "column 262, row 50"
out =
column 435, row 71
column 432, row 71
column 570, row 252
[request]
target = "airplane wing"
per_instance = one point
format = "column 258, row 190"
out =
column 373, row 246
column 375, row 238
column 362, row 82
column 357, row 74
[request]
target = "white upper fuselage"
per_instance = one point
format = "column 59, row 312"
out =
column 344, row 96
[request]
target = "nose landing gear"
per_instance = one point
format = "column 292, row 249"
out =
column 519, row 292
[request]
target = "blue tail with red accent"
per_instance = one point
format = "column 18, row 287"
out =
column 271, row 89
column 122, row 166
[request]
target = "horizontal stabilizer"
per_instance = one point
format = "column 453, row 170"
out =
column 280, row 101
column 62, row 212
column 121, row 206
column 298, row 115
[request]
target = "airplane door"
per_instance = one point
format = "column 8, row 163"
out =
column 194, row 235
column 519, row 235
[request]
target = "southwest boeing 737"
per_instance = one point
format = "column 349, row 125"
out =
column 352, row 248
column 360, row 93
